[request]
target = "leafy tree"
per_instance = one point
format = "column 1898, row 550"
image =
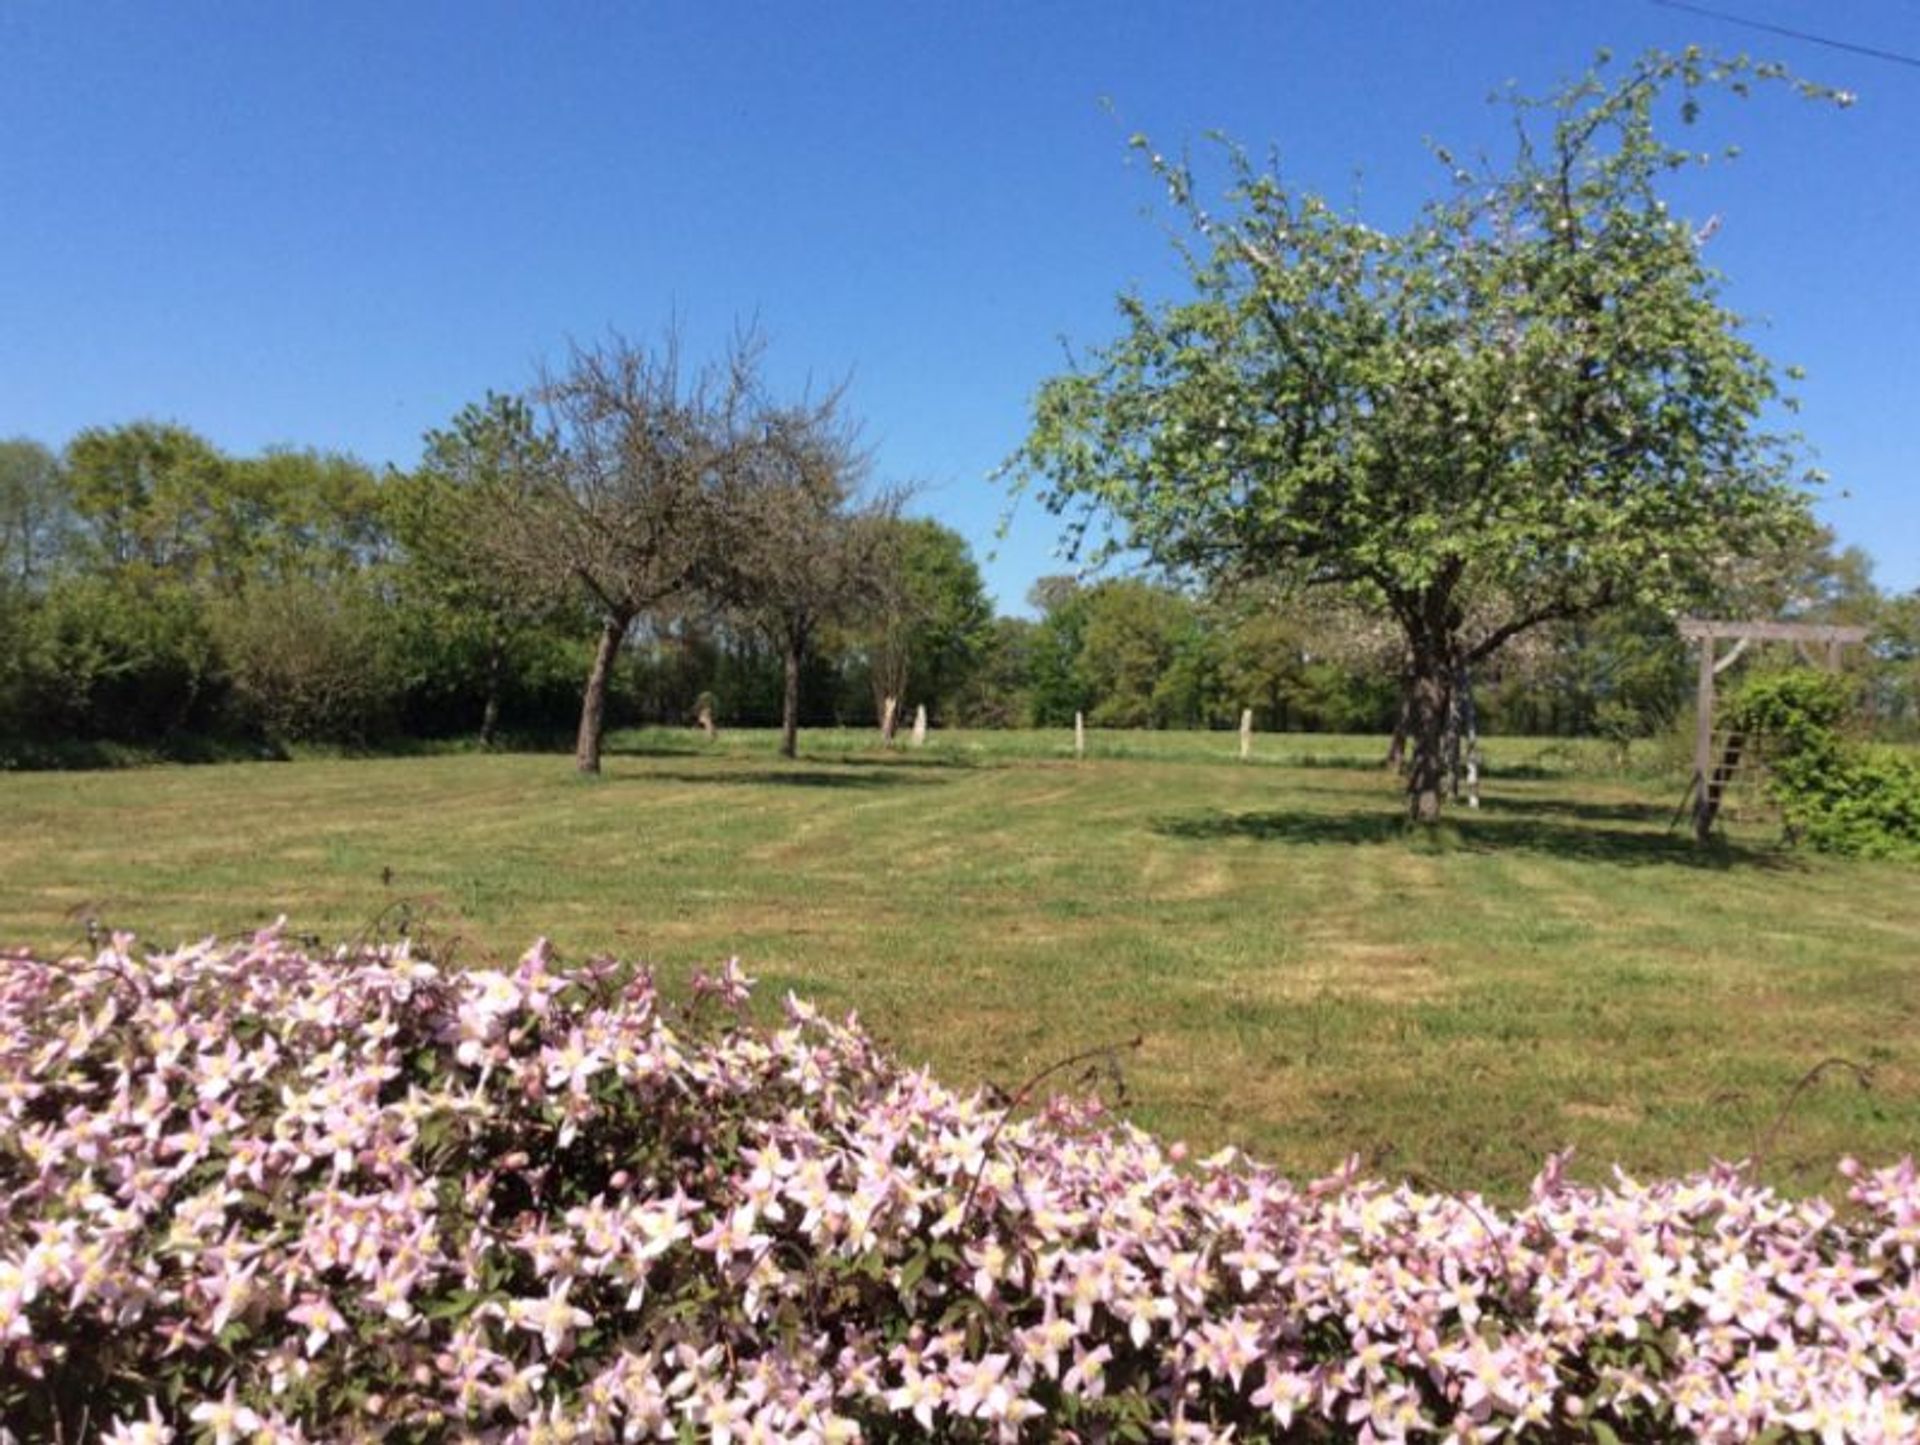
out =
column 145, row 494
column 1528, row 405
column 297, row 513
column 1622, row 675
column 1059, row 689
column 928, row 617
column 164, row 499
column 1896, row 650
column 1125, row 651
column 1804, row 574
column 34, row 520
column 1300, row 660
column 997, row 692
column 34, row 513
column 488, row 462
column 1263, row 649
column 1140, row 657
column 157, row 533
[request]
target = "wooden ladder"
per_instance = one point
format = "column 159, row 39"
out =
column 1713, row 788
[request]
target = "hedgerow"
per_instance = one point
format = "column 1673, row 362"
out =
column 253, row 1192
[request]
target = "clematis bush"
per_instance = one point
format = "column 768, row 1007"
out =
column 253, row 1192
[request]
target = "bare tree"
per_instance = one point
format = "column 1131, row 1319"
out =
column 803, row 551
column 629, row 510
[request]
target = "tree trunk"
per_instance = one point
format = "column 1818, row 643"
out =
column 1402, row 718
column 790, row 704
column 496, row 670
column 889, row 681
column 1450, row 744
column 1467, row 714
column 593, row 706
column 1429, row 701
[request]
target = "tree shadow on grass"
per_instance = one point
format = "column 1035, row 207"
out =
column 1376, row 764
column 914, row 761
column 1654, row 815
column 1479, row 834
column 1658, row 815
column 836, row 777
column 1529, row 772
column 650, row 750
column 695, row 749
column 1309, row 759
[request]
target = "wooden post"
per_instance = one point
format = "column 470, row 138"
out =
column 1246, row 733
column 920, row 726
column 1079, row 735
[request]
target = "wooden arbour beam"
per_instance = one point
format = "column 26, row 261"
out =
column 1710, row 779
column 1693, row 628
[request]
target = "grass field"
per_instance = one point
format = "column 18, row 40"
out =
column 1308, row 981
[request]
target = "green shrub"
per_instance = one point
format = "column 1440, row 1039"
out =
column 307, row 661
column 126, row 657
column 1838, row 796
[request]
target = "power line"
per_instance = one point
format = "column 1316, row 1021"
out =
column 1895, row 56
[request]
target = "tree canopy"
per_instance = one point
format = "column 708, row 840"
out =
column 467, row 500
column 34, row 511
column 927, row 619
column 1530, row 404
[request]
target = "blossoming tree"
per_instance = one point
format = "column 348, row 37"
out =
column 1529, row 405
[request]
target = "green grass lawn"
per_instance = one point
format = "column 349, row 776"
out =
column 1308, row 981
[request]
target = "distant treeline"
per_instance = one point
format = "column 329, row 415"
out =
column 157, row 593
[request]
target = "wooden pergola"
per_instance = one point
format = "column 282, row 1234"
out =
column 1711, row 776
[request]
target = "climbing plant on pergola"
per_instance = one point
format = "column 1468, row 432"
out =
column 1714, row 767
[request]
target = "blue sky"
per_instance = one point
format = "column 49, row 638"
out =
column 332, row 225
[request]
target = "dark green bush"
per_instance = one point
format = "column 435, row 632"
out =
column 126, row 657
column 1838, row 795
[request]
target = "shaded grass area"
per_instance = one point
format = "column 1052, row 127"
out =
column 1309, row 979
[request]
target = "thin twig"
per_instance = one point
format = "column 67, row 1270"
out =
column 1021, row 1095
column 1861, row 1073
column 1494, row 1237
